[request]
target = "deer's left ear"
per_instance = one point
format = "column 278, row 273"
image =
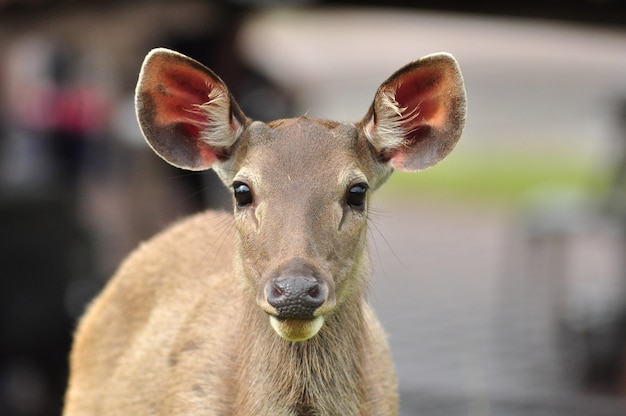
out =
column 418, row 114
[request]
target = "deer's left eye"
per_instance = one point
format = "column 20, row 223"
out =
column 356, row 196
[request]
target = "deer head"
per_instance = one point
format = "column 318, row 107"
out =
column 301, row 187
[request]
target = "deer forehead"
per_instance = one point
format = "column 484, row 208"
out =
column 302, row 152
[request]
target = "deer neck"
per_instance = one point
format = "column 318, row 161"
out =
column 318, row 376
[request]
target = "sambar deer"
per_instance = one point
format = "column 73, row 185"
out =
column 264, row 311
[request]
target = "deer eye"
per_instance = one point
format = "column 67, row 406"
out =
column 243, row 194
column 356, row 196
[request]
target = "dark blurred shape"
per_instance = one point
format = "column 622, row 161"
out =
column 590, row 11
column 603, row 341
column 605, row 345
column 42, row 250
column 591, row 331
column 54, row 115
column 616, row 201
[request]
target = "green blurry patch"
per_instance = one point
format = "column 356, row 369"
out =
column 501, row 177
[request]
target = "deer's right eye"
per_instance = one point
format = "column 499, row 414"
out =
column 243, row 194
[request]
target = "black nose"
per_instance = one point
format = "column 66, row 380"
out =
column 296, row 293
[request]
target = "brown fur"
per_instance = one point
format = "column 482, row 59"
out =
column 183, row 327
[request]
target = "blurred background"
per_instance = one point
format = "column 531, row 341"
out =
column 500, row 275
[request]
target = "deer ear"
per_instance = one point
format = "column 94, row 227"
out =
column 418, row 114
column 185, row 111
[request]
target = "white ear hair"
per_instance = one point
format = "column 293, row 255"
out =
column 389, row 131
column 218, row 129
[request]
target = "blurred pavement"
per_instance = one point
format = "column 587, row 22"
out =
column 465, row 339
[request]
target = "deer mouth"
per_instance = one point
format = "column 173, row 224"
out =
column 296, row 330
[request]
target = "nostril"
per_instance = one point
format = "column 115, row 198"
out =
column 296, row 297
column 276, row 292
column 314, row 292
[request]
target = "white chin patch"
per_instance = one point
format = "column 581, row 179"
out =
column 297, row 329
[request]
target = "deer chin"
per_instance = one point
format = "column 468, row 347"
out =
column 296, row 330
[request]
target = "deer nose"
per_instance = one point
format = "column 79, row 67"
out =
column 296, row 297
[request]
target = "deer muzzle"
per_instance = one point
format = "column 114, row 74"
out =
column 296, row 299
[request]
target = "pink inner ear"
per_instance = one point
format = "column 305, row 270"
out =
column 420, row 93
column 179, row 92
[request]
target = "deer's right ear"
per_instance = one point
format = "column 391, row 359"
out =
column 185, row 111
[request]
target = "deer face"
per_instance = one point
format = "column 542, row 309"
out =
column 301, row 193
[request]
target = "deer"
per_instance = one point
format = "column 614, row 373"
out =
column 262, row 310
